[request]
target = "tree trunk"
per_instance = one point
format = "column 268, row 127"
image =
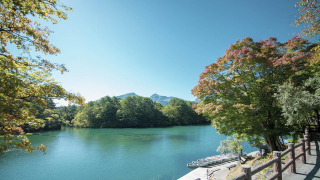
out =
column 274, row 142
column 270, row 142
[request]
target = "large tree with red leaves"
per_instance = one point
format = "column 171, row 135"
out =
column 237, row 91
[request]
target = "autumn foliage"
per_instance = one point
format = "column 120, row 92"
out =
column 237, row 91
column 25, row 80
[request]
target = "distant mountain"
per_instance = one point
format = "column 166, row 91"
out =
column 164, row 100
column 125, row 95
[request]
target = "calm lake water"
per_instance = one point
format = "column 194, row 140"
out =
column 111, row 154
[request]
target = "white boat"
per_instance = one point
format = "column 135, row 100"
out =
column 192, row 165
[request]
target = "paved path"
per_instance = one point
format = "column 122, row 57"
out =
column 309, row 170
column 201, row 172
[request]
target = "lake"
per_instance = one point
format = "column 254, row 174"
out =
column 112, row 154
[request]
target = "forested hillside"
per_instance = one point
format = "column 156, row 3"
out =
column 133, row 111
column 113, row 112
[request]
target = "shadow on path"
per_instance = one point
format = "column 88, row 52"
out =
column 316, row 168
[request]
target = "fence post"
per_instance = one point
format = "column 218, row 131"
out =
column 277, row 165
column 207, row 173
column 292, row 157
column 303, row 150
column 247, row 171
column 307, row 132
column 307, row 143
column 304, row 127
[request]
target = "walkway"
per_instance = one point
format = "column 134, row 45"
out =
column 201, row 172
column 309, row 170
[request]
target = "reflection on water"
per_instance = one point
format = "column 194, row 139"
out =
column 113, row 153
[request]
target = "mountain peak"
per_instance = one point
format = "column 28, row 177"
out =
column 125, row 95
column 154, row 95
column 164, row 100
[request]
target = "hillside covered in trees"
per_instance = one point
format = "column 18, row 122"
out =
column 113, row 112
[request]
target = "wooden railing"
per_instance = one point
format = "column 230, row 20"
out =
column 304, row 144
column 313, row 128
column 310, row 128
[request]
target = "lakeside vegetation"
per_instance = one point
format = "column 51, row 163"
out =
column 113, row 112
column 262, row 88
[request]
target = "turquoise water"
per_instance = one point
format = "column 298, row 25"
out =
column 135, row 154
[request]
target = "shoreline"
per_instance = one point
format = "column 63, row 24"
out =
column 201, row 172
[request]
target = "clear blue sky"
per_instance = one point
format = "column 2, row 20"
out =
column 113, row 47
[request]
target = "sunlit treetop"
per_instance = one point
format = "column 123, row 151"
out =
column 25, row 79
column 253, row 59
column 237, row 91
column 18, row 28
column 308, row 15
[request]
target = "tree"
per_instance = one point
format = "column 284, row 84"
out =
column 309, row 14
column 233, row 145
column 137, row 111
column 26, row 80
column 237, row 91
column 109, row 107
column 68, row 113
column 300, row 104
column 52, row 117
column 181, row 112
column 171, row 113
column 81, row 120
